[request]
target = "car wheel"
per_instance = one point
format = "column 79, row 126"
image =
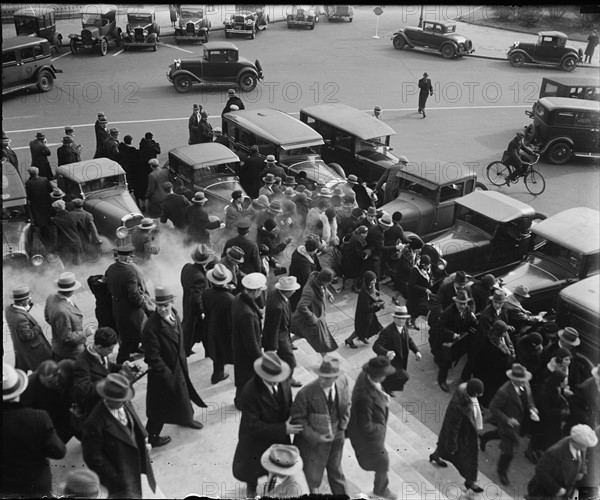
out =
column 312, row 26
column 103, row 47
column 448, row 51
column 119, row 38
column 497, row 173
column 73, row 46
column 517, row 59
column 45, row 81
column 247, row 82
column 399, row 43
column 569, row 63
column 480, row 186
column 560, row 153
column 182, row 83
column 58, row 44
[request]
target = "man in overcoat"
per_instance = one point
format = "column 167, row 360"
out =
column 67, row 240
column 304, row 261
column 114, row 442
column 142, row 238
column 67, row 153
column 232, row 99
column 29, row 342
column 149, row 148
column 376, row 243
column 252, row 263
column 425, row 90
column 39, row 155
column 101, row 131
column 322, row 407
column 129, row 159
column 265, row 402
column 170, row 391
column 194, row 125
column 197, row 221
column 8, row 152
column 250, row 171
column 394, row 342
column 391, row 178
column 173, row 207
column 88, row 232
column 156, row 192
column 368, row 422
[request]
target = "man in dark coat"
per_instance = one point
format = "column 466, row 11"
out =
column 481, row 291
column 156, row 192
column 585, row 402
column 101, row 131
column 129, row 159
column 368, row 422
column 67, row 153
column 252, row 263
column 250, row 171
column 205, row 128
column 173, row 207
column 149, row 148
column 111, row 145
column 67, row 240
column 247, row 330
column 219, row 138
column 232, row 99
column 425, row 90
column 457, row 441
column 194, row 125
column 391, row 179
column 8, row 152
column 376, row 243
column 419, row 290
column 88, row 232
column 304, row 261
column 40, row 154
column 29, row 342
column 197, row 221
column 265, row 402
column 449, row 289
column 142, row 238
column 354, row 254
column 28, row 440
column 394, row 342
column 170, row 391
column 114, row 442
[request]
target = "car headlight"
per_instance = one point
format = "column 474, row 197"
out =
column 37, row 260
column 176, row 63
column 249, row 21
column 145, row 32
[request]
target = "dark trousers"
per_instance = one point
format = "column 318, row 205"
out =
column 444, row 368
column 218, row 370
column 125, row 350
column 154, row 428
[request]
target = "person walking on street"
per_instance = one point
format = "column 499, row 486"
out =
column 425, row 90
column 101, row 131
column 143, row 241
column 39, row 156
column 38, row 190
column 67, row 153
column 173, row 207
column 232, row 99
column 195, row 135
column 197, row 221
column 369, row 302
column 156, row 192
column 593, row 41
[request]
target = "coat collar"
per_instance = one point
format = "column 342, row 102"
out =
column 116, row 428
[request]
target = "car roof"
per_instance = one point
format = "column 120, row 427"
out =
column 349, row 119
column 88, row 170
column 12, row 185
column 585, row 293
column 21, row 41
column 33, row 11
column 220, row 46
column 553, row 103
column 558, row 34
column 496, row 206
column 433, row 176
column 577, row 229
column 205, row 154
column 275, row 126
column 579, row 81
column 97, row 8
column 143, row 12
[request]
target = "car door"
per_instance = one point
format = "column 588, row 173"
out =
column 444, row 214
column 430, row 34
column 546, row 50
column 11, row 68
column 585, row 132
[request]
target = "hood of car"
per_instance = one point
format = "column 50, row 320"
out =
column 380, row 158
column 90, row 32
column 412, row 206
column 109, row 207
column 526, row 46
column 460, row 238
column 536, row 273
column 316, row 169
column 221, row 190
column 456, row 37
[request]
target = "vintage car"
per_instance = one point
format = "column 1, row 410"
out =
column 27, row 63
column 564, row 127
column 490, row 230
column 100, row 29
column 441, row 37
column 295, row 145
column 565, row 249
column 579, row 307
column 209, row 167
column 20, row 244
column 354, row 139
column 142, row 30
column 572, row 87
column 339, row 13
column 246, row 22
column 220, row 63
column 427, row 197
column 550, row 49
column 193, row 25
column 302, row 16
column 40, row 22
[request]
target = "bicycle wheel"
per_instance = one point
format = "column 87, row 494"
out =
column 535, row 182
column 497, row 173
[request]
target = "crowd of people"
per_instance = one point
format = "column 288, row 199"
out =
column 247, row 305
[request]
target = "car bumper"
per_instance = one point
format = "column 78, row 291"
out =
column 184, row 38
column 239, row 31
column 301, row 23
column 139, row 44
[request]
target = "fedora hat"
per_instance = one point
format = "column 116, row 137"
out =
column 460, row 277
column 275, row 206
column 377, row 108
column 372, row 211
column 83, row 483
column 243, row 224
column 352, row 179
column 269, row 179
column 202, row 254
column 569, row 336
column 147, row 224
column 69, row 129
column 325, row 192
column 282, row 459
column 115, row 387
column 270, row 159
column 102, row 119
column 199, row 197
column 21, row 293
column 328, row 368
column 162, row 295
column 40, row 135
column 14, row 382
column 255, row 281
column 461, row 297
column 57, row 194
column 288, row 284
column 219, row 275
column 66, row 282
column 290, row 180
column 125, row 250
column 522, row 291
column 271, row 367
column 67, row 139
column 113, row 131
column 261, row 202
column 289, row 192
column 401, row 312
column 236, row 254
column 378, row 366
column 386, row 221
column 518, row 372
column 498, row 296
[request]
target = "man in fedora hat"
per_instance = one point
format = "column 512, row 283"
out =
column 519, row 317
column 265, row 402
column 8, row 152
column 194, row 125
column 149, row 149
column 67, row 153
column 170, row 391
column 450, row 287
column 394, row 342
column 65, row 319
column 28, row 441
column 376, row 243
column 193, row 282
column 114, row 442
column 322, row 407
column 481, row 290
column 197, row 221
column 232, row 99
column 82, row 483
column 205, row 128
column 278, row 318
column 29, row 342
column 377, row 112
column 368, row 422
column 142, row 238
column 250, row 172
column 38, row 190
column 271, row 167
column 111, row 145
column 64, row 227
column 252, row 263
column 510, row 409
column 235, row 210
column 425, row 90
column 232, row 260
column 173, row 207
column 219, row 138
column 216, row 304
column 70, row 132
column 285, row 479
column 267, row 189
column 101, row 132
column 156, row 193
column 88, row 232
column 39, row 155
column 391, row 179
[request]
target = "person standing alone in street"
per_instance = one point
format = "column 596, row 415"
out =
column 425, row 90
column 593, row 41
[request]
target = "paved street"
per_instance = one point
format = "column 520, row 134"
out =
column 477, row 106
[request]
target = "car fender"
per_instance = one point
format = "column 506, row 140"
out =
column 406, row 40
column 554, row 140
column 570, row 54
column 152, row 37
column 185, row 72
column 49, row 68
column 515, row 50
column 75, row 36
column 246, row 70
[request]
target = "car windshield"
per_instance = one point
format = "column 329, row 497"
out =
column 103, row 183
column 17, row 213
column 414, row 187
column 205, row 175
column 564, row 256
column 25, row 23
column 450, row 28
column 92, row 20
column 139, row 19
column 290, row 155
column 192, row 14
column 476, row 219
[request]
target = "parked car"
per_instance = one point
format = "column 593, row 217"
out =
column 193, row 24
column 441, row 37
column 142, row 30
column 302, row 16
column 246, row 22
column 40, row 22
column 100, row 29
column 427, row 197
column 572, row 87
column 566, row 249
column 490, row 230
column 339, row 13
column 550, row 49
column 220, row 63
column 295, row 145
column 564, row 127
column 27, row 63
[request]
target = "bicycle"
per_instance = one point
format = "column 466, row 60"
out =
column 498, row 174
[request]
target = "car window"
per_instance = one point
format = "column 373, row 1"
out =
column 70, row 187
column 451, row 191
column 568, row 257
column 342, row 139
column 232, row 55
column 9, row 58
column 593, row 265
column 247, row 138
column 475, row 219
column 451, row 28
column 18, row 213
column 38, row 52
column 564, row 118
column 586, row 120
column 218, row 56
column 27, row 53
column 204, row 175
column 265, row 148
column 427, row 27
column 550, row 90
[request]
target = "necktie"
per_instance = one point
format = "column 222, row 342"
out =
column 274, row 390
column 478, row 415
column 272, row 483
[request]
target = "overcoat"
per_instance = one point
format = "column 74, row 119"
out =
column 39, row 158
column 67, row 154
column 29, row 342
column 170, row 390
column 247, row 329
column 10, row 155
column 101, row 136
column 156, row 193
column 353, row 257
column 450, row 322
column 417, row 303
column 194, row 129
column 173, row 207
column 67, row 238
column 276, row 330
column 193, row 282
column 251, row 262
column 217, row 324
column 399, row 342
column 262, row 424
column 198, row 224
column 149, row 149
column 38, row 194
column 250, row 178
column 366, row 323
column 66, row 321
column 490, row 367
column 301, row 265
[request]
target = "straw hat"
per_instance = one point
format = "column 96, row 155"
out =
column 14, row 382
column 66, row 282
column 288, row 284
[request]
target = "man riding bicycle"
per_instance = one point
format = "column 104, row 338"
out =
column 512, row 156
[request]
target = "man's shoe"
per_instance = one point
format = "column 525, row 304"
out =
column 504, row 478
column 350, row 344
column 474, row 487
column 296, row 383
column 364, row 341
column 438, row 461
column 158, row 441
column 388, row 494
column 219, row 379
column 194, row 424
column 444, row 386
